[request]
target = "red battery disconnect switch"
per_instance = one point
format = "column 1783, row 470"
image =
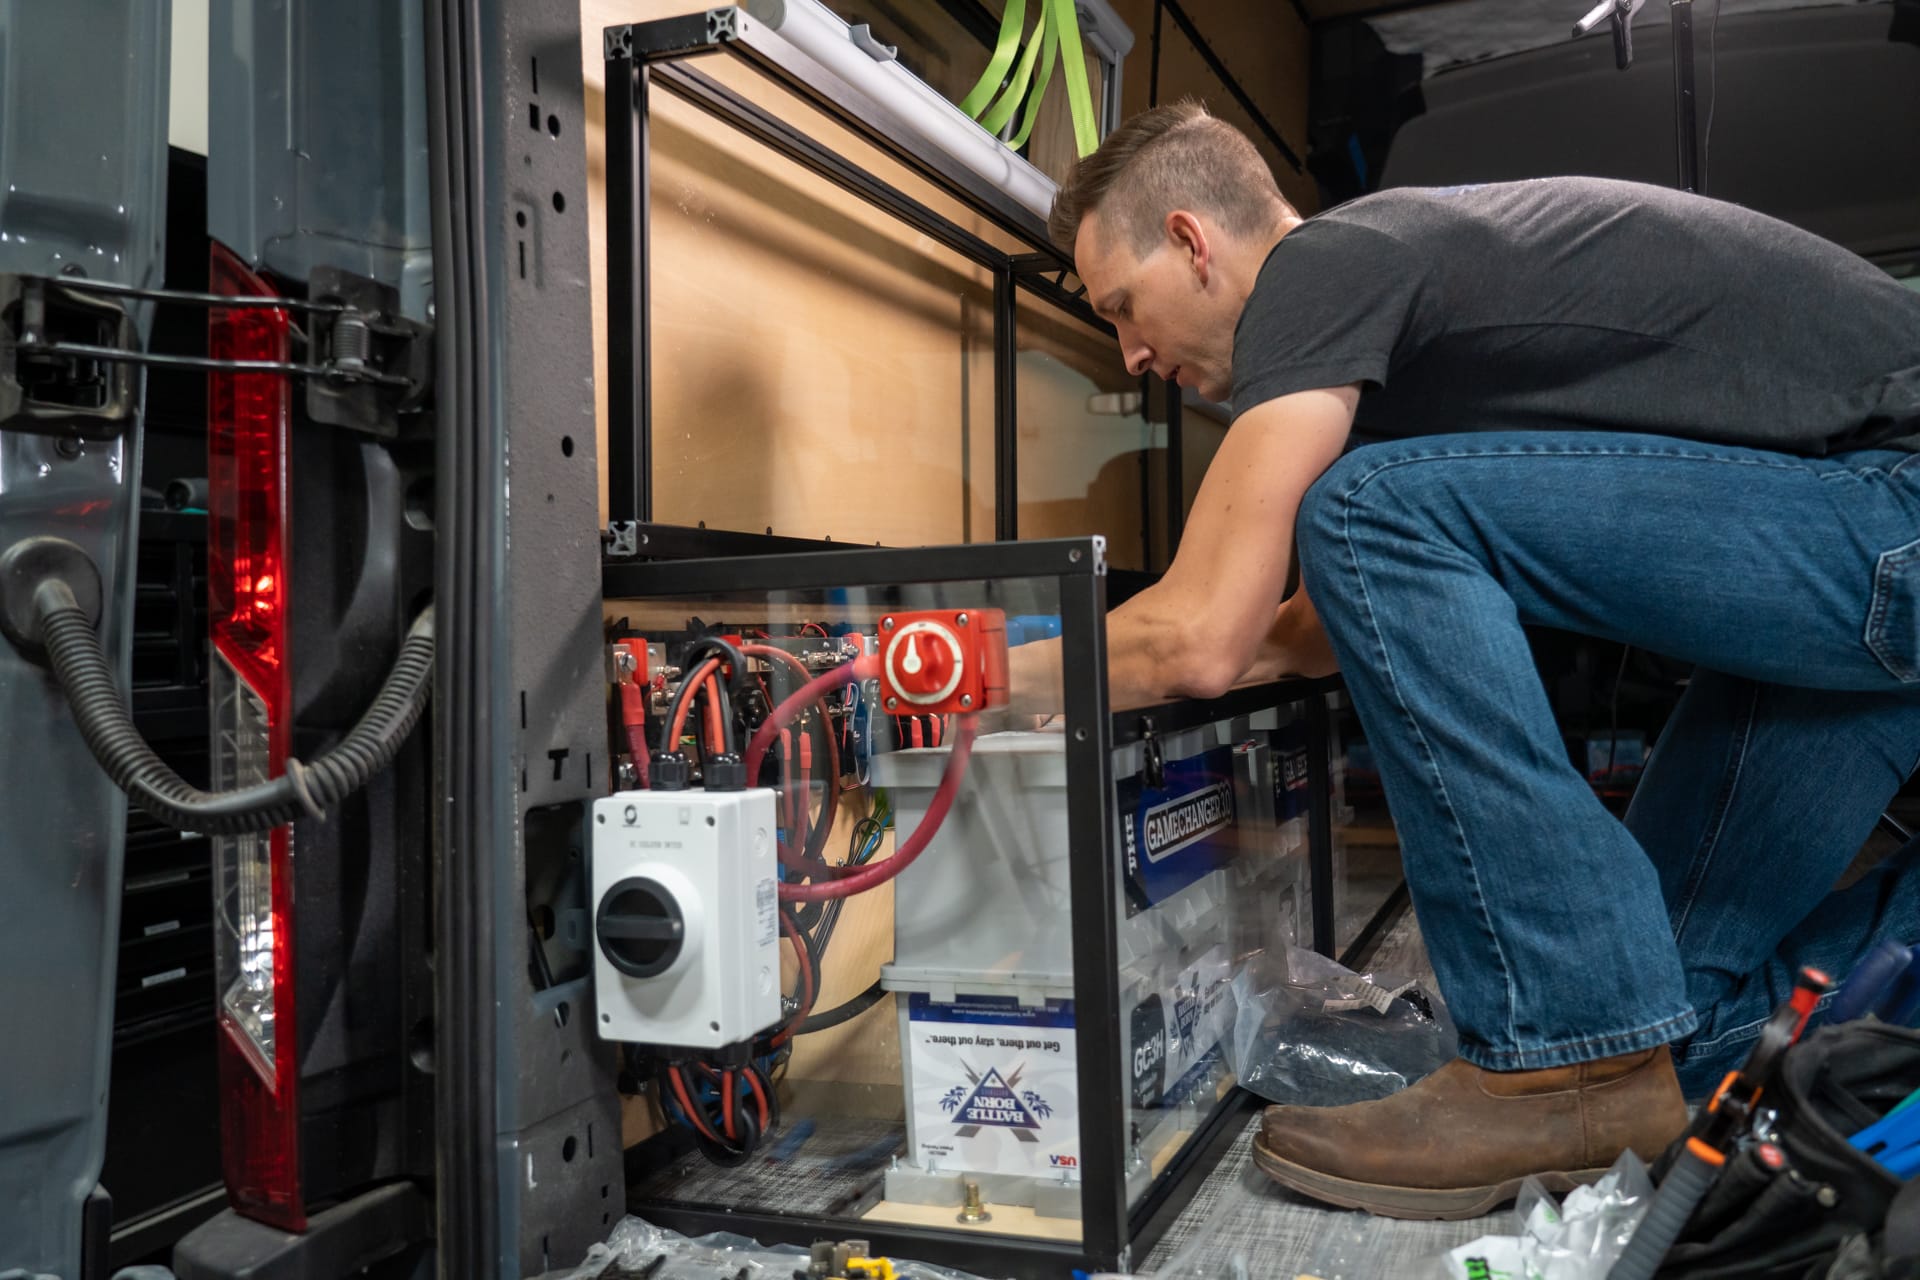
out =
column 943, row 662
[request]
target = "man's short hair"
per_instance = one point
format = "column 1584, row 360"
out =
column 1172, row 157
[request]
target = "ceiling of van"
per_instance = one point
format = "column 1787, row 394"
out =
column 1457, row 32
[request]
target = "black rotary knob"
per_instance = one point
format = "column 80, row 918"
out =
column 640, row 927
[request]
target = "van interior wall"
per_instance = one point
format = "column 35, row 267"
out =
column 823, row 371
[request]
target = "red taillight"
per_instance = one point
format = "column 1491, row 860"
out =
column 247, row 425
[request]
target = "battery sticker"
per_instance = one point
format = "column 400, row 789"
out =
column 1173, row 1029
column 1291, row 794
column 1147, row 1034
column 1174, row 835
column 994, row 1086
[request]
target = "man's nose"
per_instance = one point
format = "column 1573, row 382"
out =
column 1137, row 354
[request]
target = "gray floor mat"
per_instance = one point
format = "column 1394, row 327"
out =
column 1238, row 1211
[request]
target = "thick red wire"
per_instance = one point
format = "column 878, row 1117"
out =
column 760, row 1093
column 716, row 727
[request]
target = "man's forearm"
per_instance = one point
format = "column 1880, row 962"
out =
column 1155, row 655
column 1151, row 657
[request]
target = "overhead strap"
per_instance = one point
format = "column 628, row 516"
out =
column 1047, row 51
column 1002, row 110
column 995, row 98
column 1086, row 134
column 1005, row 46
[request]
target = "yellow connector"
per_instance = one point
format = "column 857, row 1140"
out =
column 871, row 1268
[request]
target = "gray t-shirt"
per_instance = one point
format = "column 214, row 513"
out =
column 1584, row 303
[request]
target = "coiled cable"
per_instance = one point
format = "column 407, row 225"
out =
column 302, row 790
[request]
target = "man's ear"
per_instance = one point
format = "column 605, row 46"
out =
column 1191, row 239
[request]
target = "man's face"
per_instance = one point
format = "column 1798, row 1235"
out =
column 1169, row 321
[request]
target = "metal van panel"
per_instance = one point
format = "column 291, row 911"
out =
column 83, row 135
column 320, row 159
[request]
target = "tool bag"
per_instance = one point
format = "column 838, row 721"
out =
column 1830, row 1212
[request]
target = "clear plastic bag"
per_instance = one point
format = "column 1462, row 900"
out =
column 1352, row 1246
column 1578, row 1239
column 637, row 1249
column 1312, row 1033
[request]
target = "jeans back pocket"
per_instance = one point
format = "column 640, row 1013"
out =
column 1893, row 619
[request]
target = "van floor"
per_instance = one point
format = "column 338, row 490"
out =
column 1240, row 1213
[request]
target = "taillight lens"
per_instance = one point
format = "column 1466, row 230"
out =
column 248, row 415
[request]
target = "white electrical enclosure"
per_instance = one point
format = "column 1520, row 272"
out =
column 686, row 918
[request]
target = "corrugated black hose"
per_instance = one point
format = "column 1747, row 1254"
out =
column 301, row 791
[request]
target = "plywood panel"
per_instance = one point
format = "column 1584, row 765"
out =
column 1183, row 72
column 819, row 368
column 1267, row 48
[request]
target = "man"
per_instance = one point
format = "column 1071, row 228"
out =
column 1616, row 409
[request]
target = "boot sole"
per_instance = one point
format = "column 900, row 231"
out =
column 1413, row 1203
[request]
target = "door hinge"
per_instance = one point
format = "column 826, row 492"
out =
column 69, row 347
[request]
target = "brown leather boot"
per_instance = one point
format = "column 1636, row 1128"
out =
column 1459, row 1143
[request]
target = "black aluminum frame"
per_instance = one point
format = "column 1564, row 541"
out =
column 639, row 55
column 1112, row 1238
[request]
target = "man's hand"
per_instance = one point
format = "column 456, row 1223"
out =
column 1296, row 645
column 1033, row 680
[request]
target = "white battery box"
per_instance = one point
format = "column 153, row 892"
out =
column 686, row 917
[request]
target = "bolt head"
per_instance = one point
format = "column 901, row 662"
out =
column 892, row 703
column 966, row 699
column 961, row 620
column 886, row 624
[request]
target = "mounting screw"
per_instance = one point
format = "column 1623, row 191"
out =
column 974, row 1211
column 966, row 699
column 1074, row 555
column 892, row 703
column 68, row 448
column 886, row 624
column 631, row 814
column 961, row 620
column 352, row 343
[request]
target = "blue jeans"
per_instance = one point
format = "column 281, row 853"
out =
column 1558, row 934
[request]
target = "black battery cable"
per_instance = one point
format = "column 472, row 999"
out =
column 49, row 598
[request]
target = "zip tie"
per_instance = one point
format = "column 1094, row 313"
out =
column 296, row 775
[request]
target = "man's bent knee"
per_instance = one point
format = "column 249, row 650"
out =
column 1323, row 525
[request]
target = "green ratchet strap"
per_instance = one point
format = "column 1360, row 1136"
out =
column 1079, row 97
column 1048, row 47
column 1003, row 50
column 1056, row 33
column 1003, row 108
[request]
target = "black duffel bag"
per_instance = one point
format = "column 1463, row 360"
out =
column 1830, row 1213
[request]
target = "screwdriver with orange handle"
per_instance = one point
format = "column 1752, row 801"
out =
column 1715, row 1130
